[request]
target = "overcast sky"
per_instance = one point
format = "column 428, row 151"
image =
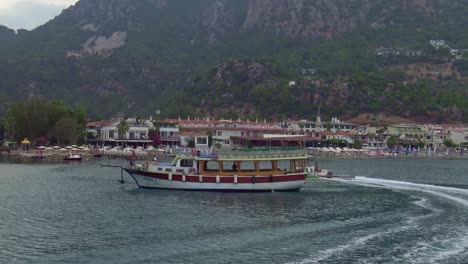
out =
column 29, row 14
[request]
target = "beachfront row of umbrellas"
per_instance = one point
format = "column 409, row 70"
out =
column 67, row 148
column 127, row 151
column 106, row 151
column 330, row 151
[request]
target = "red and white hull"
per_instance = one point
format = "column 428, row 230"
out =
column 287, row 182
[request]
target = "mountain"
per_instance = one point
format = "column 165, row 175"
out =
column 349, row 56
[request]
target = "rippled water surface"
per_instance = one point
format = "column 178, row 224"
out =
column 396, row 211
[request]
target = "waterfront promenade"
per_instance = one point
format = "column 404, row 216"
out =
column 384, row 153
column 57, row 154
column 150, row 153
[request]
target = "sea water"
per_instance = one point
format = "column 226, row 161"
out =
column 395, row 211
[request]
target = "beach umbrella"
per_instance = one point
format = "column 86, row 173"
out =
column 41, row 147
column 74, row 146
column 49, row 149
column 26, row 144
column 63, row 149
column 56, row 147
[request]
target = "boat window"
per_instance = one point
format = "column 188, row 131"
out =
column 211, row 166
column 229, row 166
column 247, row 166
column 186, row 163
column 283, row 165
column 265, row 165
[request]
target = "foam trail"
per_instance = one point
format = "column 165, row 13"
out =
column 438, row 250
column 457, row 195
column 328, row 253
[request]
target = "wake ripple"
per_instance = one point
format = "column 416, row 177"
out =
column 436, row 250
column 457, row 195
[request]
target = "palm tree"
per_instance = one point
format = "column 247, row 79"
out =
column 122, row 129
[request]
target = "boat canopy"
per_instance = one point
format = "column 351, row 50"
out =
column 263, row 154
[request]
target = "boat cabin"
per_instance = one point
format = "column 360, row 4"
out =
column 232, row 166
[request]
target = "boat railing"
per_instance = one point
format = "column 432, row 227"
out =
column 263, row 152
column 245, row 153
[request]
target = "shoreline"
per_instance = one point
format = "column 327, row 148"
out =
column 57, row 158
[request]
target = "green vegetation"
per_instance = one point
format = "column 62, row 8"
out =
column 191, row 143
column 392, row 141
column 122, row 129
column 168, row 63
column 357, row 144
column 449, row 143
column 53, row 121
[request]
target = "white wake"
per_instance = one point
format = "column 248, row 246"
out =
column 457, row 195
column 423, row 251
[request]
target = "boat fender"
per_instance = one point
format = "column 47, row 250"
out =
column 200, row 178
column 218, row 179
column 183, row 178
column 235, row 179
column 170, row 176
column 271, row 178
column 253, row 179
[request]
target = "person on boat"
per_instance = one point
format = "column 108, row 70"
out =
column 234, row 166
column 132, row 159
column 316, row 167
column 155, row 159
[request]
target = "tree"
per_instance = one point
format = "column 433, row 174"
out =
column 392, row 141
column 449, row 143
column 191, row 143
column 210, row 139
column 334, row 142
column 420, row 144
column 122, row 129
column 66, row 131
column 357, row 144
column 36, row 118
column 2, row 129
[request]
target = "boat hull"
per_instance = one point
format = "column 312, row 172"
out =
column 72, row 159
column 152, row 180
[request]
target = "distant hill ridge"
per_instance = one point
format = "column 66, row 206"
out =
column 132, row 57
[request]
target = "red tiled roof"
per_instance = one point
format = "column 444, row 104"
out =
column 443, row 134
column 337, row 133
column 193, row 134
column 217, row 122
column 279, row 138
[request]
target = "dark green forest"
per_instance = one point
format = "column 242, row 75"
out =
column 168, row 63
column 44, row 122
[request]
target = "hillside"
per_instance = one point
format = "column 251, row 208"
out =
column 132, row 57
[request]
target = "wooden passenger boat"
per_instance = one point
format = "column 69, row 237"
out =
column 242, row 171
